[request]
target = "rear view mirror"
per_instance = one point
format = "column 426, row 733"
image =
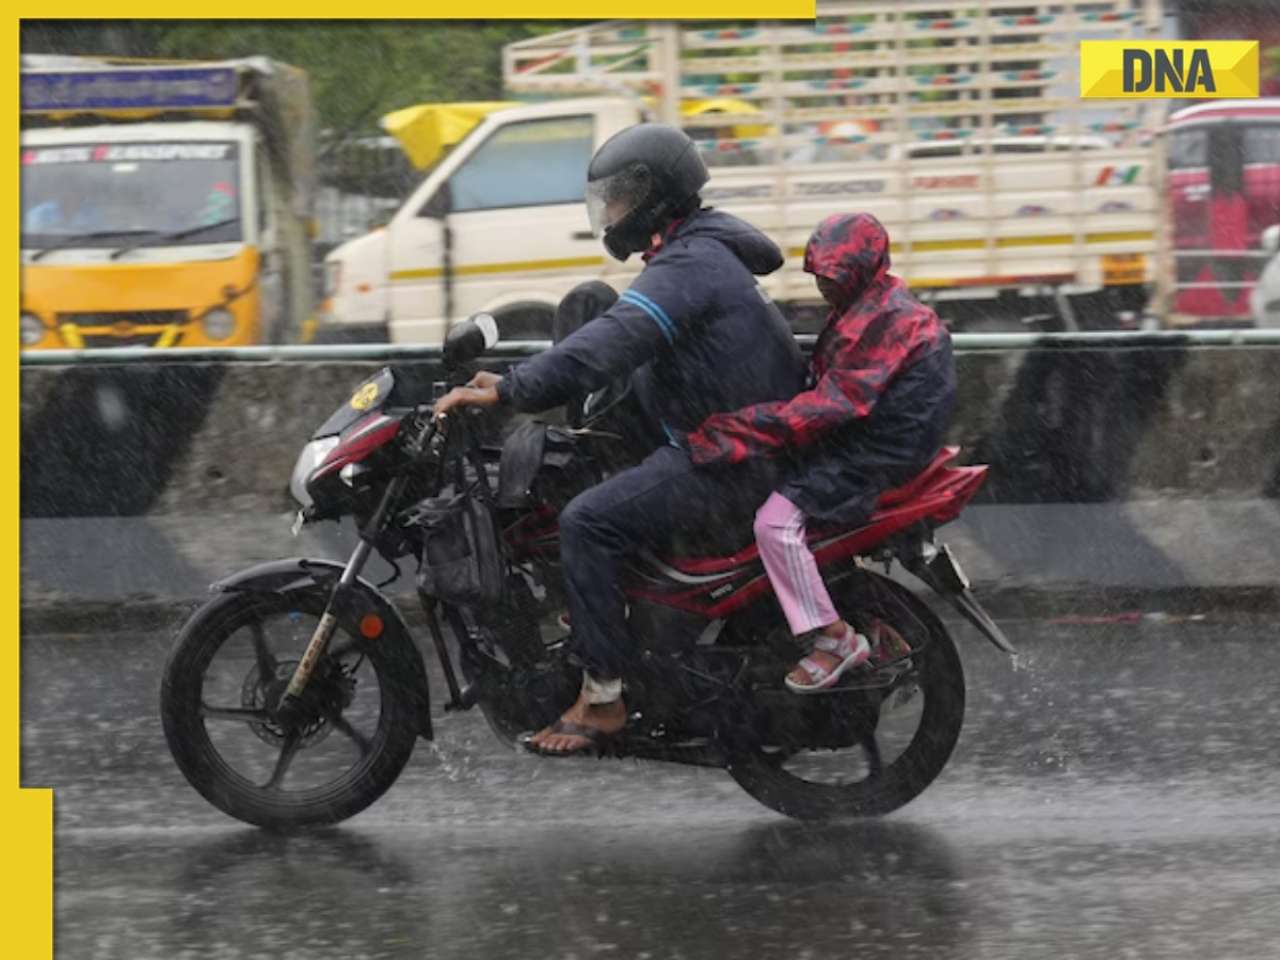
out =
column 489, row 327
column 470, row 339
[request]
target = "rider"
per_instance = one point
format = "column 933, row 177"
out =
column 709, row 340
column 882, row 389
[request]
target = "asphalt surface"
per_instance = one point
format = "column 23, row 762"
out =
column 1115, row 794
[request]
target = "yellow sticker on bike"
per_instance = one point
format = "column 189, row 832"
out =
column 363, row 398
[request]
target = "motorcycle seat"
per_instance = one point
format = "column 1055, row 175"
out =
column 707, row 553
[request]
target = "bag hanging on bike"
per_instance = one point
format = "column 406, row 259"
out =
column 462, row 560
column 462, row 557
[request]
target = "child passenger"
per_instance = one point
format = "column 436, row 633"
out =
column 882, row 386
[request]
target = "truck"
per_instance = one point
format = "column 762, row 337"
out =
column 1009, row 200
column 1222, row 194
column 164, row 203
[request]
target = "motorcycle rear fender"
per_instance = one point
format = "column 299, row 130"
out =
column 936, row 567
column 299, row 573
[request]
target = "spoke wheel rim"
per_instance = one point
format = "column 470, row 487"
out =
column 332, row 690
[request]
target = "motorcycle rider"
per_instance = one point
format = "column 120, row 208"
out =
column 708, row 340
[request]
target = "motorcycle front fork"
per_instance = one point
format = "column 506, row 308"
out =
column 289, row 708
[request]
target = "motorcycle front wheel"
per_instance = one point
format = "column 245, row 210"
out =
column 225, row 674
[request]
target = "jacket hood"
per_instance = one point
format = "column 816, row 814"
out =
column 851, row 249
column 757, row 252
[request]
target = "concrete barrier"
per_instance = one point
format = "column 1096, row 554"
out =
column 1143, row 467
column 1057, row 425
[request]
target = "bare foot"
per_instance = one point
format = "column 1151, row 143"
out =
column 608, row 718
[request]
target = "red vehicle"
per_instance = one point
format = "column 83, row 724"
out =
column 296, row 695
column 1224, row 190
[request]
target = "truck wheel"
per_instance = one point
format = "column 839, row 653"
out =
column 531, row 321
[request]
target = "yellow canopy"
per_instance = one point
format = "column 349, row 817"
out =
column 695, row 108
column 425, row 130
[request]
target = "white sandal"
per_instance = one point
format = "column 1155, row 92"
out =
column 852, row 649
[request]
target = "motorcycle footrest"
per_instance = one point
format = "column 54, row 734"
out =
column 466, row 699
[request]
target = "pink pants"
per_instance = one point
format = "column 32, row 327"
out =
column 792, row 570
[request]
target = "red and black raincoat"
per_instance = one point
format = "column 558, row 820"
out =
column 881, row 391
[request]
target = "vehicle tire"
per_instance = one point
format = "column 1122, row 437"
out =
column 219, row 766
column 939, row 680
column 525, row 321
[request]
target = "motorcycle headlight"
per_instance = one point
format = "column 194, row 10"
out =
column 218, row 324
column 310, row 457
column 30, row 329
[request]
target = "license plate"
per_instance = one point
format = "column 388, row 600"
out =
column 1123, row 269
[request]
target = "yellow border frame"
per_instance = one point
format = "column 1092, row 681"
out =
column 27, row 814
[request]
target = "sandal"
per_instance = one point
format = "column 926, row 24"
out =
column 852, row 649
column 598, row 742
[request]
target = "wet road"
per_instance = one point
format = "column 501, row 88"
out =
column 1115, row 796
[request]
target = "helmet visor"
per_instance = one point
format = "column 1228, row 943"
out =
column 610, row 199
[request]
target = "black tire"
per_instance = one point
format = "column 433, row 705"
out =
column 940, row 680
column 525, row 321
column 380, row 757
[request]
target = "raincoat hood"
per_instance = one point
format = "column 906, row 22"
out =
column 851, row 249
column 757, row 252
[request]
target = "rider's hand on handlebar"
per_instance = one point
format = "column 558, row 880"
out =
column 482, row 391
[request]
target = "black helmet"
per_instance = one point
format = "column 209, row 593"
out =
column 638, row 181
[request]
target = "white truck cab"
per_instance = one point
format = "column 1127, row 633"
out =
column 506, row 204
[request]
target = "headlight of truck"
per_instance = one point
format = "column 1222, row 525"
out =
column 308, row 460
column 30, row 329
column 218, row 324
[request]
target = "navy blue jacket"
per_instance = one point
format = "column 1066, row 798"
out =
column 708, row 337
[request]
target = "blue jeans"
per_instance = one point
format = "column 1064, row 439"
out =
column 665, row 504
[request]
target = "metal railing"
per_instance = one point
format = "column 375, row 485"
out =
column 514, row 350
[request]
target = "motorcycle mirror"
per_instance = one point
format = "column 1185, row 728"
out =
column 469, row 339
column 489, row 327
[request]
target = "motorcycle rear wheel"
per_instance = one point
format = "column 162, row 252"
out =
column 213, row 742
column 939, row 685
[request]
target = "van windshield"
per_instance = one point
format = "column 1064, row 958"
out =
column 106, row 191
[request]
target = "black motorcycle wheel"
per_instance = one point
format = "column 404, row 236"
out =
column 880, row 784
column 228, row 666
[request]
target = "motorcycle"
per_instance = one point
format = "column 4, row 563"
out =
column 295, row 696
